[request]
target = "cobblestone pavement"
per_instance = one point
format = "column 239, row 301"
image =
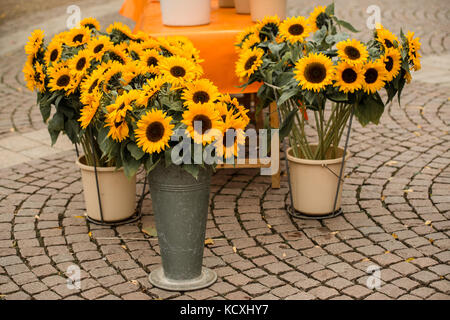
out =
column 396, row 204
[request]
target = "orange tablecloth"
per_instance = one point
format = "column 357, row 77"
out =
column 215, row 40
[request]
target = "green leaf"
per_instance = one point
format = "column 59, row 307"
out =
column 55, row 125
column 346, row 25
column 71, row 128
column 45, row 109
column 369, row 109
column 149, row 165
column 287, row 124
column 285, row 96
column 130, row 166
column 330, row 9
column 135, row 151
column 193, row 169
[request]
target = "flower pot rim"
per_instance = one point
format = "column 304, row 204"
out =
column 316, row 162
column 92, row 169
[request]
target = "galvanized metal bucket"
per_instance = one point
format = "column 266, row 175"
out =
column 180, row 205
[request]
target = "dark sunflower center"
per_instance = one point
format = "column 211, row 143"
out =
column 296, row 29
column 352, row 53
column 349, row 75
column 155, row 131
column 93, row 85
column 63, row 80
column 371, row 75
column 81, row 63
column 54, row 55
column 250, row 62
column 229, row 138
column 206, row 123
column 98, row 48
column 178, row 71
column 388, row 43
column 315, row 72
column 78, row 38
column 152, row 61
column 200, row 97
column 389, row 64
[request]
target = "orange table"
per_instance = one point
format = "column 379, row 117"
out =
column 215, row 40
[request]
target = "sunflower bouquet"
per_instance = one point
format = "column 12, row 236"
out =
column 312, row 64
column 122, row 95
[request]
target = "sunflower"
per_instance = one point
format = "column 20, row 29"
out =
column 413, row 50
column 113, row 75
column 98, row 47
column 374, row 76
column 60, row 78
column 244, row 35
column 249, row 61
column 232, row 104
column 53, row 51
column 135, row 51
column 178, row 70
column 80, row 62
column 88, row 112
column 134, row 70
column 91, row 84
column 39, row 77
column 316, row 18
column 149, row 90
column 352, row 51
column 392, row 62
column 250, row 43
column 90, row 23
column 29, row 75
column 385, row 37
column 122, row 104
column 348, row 78
column 150, row 44
column 233, row 138
column 117, row 53
column 295, row 29
column 75, row 82
column 121, row 29
column 78, row 36
column 34, row 43
column 268, row 25
column 199, row 92
column 202, row 122
column 314, row 71
column 140, row 36
column 118, row 128
column 151, row 58
column 154, row 131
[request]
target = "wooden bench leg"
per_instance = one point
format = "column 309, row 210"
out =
column 275, row 123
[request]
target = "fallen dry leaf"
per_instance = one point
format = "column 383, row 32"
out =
column 409, row 259
column 395, row 236
column 209, row 241
column 431, row 240
column 234, row 249
column 428, row 222
column 80, row 217
column 37, row 217
column 392, row 162
column 383, row 198
column 408, row 190
column 90, row 234
column 269, row 226
column 135, row 282
column 124, row 246
column 387, row 251
column 365, row 259
column 150, row 231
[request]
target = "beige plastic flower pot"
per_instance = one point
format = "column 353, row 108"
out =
column 117, row 192
column 226, row 3
column 313, row 185
column 266, row 8
column 185, row 13
column 242, row 6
